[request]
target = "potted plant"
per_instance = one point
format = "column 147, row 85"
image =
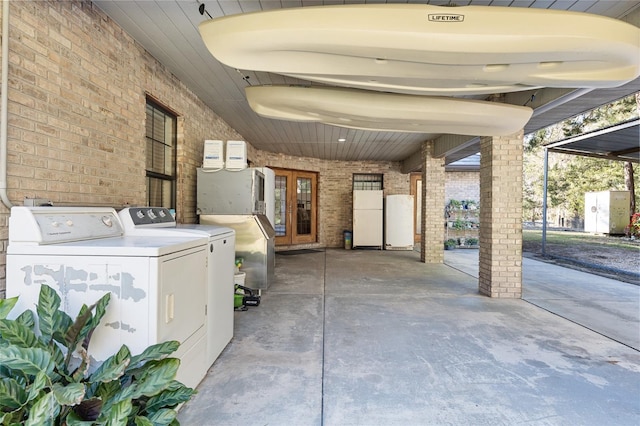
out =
column 46, row 379
column 459, row 224
column 455, row 204
column 471, row 241
column 450, row 244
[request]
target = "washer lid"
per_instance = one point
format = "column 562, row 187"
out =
column 136, row 246
column 158, row 221
column 211, row 230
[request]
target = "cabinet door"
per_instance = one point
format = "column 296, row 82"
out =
column 220, row 296
column 367, row 228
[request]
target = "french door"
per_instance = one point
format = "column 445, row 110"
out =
column 295, row 207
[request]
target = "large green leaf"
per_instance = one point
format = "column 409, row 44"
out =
column 155, row 352
column 142, row 421
column 100, row 309
column 18, row 335
column 119, row 413
column 27, row 360
column 13, row 418
column 5, row 372
column 82, row 368
column 157, row 377
column 74, row 334
column 169, row 399
column 152, row 378
column 62, row 321
column 27, row 319
column 12, row 394
column 163, row 417
column 80, row 326
column 6, row 305
column 48, row 304
column 106, row 391
column 44, row 411
column 40, row 382
column 74, row 419
column 88, row 409
column 71, row 394
column 93, row 322
column 113, row 367
column 58, row 358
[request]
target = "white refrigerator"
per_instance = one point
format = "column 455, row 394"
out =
column 367, row 218
column 399, row 222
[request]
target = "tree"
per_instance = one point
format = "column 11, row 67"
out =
column 532, row 178
column 569, row 177
column 605, row 116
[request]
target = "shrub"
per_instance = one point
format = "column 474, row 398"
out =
column 43, row 383
column 450, row 243
column 633, row 229
column 472, row 241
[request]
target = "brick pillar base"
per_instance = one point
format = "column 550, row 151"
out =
column 432, row 243
column 501, row 216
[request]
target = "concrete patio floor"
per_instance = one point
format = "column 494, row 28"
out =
column 359, row 337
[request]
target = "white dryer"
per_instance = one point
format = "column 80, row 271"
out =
column 158, row 285
column 158, row 221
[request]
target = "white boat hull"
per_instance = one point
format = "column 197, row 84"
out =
column 432, row 50
column 392, row 112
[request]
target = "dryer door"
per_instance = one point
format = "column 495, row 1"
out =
column 182, row 298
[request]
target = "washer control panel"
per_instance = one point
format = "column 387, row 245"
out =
column 147, row 217
column 49, row 225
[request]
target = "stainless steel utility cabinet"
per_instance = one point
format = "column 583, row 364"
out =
column 230, row 192
column 255, row 243
column 235, row 199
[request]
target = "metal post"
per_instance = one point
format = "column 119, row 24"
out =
column 544, row 201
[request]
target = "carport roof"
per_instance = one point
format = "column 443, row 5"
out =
column 620, row 142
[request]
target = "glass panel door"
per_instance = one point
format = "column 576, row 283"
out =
column 303, row 203
column 295, row 207
column 305, row 230
column 281, row 217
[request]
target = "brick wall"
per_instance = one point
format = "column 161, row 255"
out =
column 500, row 258
column 432, row 242
column 335, row 200
column 462, row 186
column 77, row 93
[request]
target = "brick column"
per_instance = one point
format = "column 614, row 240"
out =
column 501, row 216
column 432, row 242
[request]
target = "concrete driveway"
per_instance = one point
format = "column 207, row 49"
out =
column 357, row 337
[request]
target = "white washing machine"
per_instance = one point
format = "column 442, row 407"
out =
column 158, row 285
column 158, row 221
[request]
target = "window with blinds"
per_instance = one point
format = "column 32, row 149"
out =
column 161, row 135
column 369, row 181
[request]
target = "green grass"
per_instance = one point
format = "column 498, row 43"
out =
column 574, row 238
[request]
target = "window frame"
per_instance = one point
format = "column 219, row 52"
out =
column 367, row 181
column 167, row 142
